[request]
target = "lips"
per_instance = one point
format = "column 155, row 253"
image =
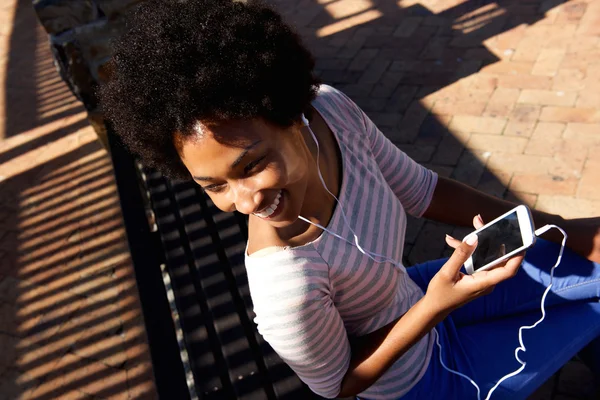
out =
column 272, row 210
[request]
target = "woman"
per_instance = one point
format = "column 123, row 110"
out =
column 217, row 92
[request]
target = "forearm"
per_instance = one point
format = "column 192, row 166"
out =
column 375, row 353
column 456, row 203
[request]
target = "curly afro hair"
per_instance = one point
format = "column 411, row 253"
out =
column 181, row 61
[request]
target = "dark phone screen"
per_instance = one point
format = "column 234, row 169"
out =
column 497, row 240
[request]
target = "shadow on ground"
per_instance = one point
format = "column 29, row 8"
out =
column 409, row 68
column 69, row 318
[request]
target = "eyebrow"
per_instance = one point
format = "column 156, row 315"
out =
column 234, row 164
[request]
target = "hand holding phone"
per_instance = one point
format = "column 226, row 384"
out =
column 501, row 239
column 450, row 288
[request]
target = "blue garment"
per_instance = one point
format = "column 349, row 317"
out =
column 479, row 338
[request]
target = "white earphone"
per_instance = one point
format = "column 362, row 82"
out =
column 304, row 120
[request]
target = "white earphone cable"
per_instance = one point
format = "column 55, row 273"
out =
column 378, row 258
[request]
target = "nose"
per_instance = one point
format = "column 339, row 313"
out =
column 246, row 199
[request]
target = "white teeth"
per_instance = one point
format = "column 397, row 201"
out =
column 271, row 209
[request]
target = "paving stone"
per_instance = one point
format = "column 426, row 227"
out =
column 543, row 184
column 500, row 143
column 548, row 62
column 568, row 206
column 525, row 113
column 363, row 59
column 501, row 103
column 383, row 119
column 15, row 385
column 488, row 125
column 588, row 97
column 370, row 104
column 508, row 67
column 524, row 81
column 449, row 151
column 8, row 351
column 433, row 129
column 9, row 289
column 583, row 133
column 527, row 50
column 356, row 89
column 458, row 107
column 512, row 162
column 588, row 25
column 139, row 382
column 401, row 98
column 568, row 80
column 589, row 186
column 344, row 8
column 470, row 167
column 570, row 114
column 407, row 27
column 548, row 130
column 494, row 183
column 374, row 71
column 543, row 146
column 413, row 228
column 520, row 129
column 336, row 77
column 388, row 83
column 336, row 64
column 75, row 375
column 430, row 242
column 547, row 97
column 413, row 118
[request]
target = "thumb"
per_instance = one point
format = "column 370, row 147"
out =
column 460, row 256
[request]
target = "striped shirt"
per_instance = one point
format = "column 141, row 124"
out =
column 309, row 299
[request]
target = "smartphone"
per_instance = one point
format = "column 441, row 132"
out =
column 501, row 239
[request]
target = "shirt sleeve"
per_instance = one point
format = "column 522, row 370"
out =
column 412, row 183
column 296, row 315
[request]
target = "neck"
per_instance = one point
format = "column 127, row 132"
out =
column 318, row 204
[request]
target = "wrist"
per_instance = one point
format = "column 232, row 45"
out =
column 436, row 309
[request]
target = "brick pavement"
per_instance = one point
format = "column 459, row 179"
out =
column 502, row 96
column 70, row 320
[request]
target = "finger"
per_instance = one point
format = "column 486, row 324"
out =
column 460, row 256
column 452, row 242
column 478, row 221
column 504, row 271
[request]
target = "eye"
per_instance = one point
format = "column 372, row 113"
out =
column 215, row 188
column 248, row 168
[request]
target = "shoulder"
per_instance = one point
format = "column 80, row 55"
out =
column 335, row 104
column 332, row 97
column 287, row 277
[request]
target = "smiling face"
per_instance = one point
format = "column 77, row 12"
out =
column 253, row 167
